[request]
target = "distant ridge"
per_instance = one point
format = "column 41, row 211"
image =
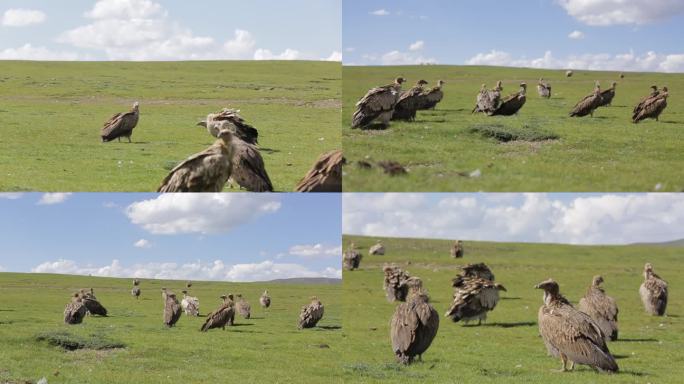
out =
column 673, row 243
column 306, row 280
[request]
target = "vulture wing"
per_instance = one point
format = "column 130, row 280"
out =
column 248, row 168
column 325, row 175
column 207, row 171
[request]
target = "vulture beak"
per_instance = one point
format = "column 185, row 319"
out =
column 502, row 288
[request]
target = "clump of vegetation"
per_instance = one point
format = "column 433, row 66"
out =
column 505, row 134
column 72, row 342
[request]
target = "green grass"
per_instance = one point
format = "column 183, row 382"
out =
column 606, row 153
column 508, row 348
column 266, row 348
column 51, row 116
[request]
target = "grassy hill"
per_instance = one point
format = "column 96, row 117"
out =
column 51, row 116
column 262, row 349
column 606, row 153
column 508, row 348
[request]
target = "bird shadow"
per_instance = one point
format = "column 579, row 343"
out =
column 633, row 373
column 8, row 310
column 139, row 142
column 669, row 122
column 375, row 127
column 637, row 340
column 242, row 325
column 508, row 325
column 269, row 150
column 619, row 357
column 511, row 298
column 256, row 318
column 330, row 327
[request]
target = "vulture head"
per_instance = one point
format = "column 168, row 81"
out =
column 483, row 87
column 171, row 295
column 499, row 87
column 136, row 282
column 500, row 287
column 665, row 89
column 265, row 292
column 413, row 283
column 613, row 84
column 223, row 297
column 420, row 83
column 541, row 80
column 550, row 287
column 163, row 289
column 230, row 296
column 184, row 292
column 648, row 270
column 399, row 80
column 523, row 87
column 188, row 284
column 440, row 83
column 136, row 105
column 597, row 281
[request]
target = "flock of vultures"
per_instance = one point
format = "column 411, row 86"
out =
column 386, row 103
column 234, row 158
column 575, row 335
column 85, row 303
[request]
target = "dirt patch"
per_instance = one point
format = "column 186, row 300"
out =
column 505, row 134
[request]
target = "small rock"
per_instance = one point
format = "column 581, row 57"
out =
column 42, row 381
column 519, row 366
column 476, row 173
column 321, row 138
column 658, row 187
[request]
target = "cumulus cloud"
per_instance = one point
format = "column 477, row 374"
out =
column 380, row 12
column 142, row 243
column 576, row 35
column 288, row 54
column 199, row 212
column 315, row 250
column 216, row 270
column 417, row 46
column 11, row 195
column 29, row 52
column 648, row 62
column 621, row 12
column 241, row 45
column 22, row 17
column 605, row 219
column 53, row 198
column 335, row 56
column 2, row 269
column 405, row 58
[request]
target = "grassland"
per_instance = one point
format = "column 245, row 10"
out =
column 51, row 114
column 508, row 349
column 267, row 348
column 440, row 149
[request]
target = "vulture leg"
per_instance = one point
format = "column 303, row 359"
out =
column 564, row 360
column 119, row 138
column 572, row 365
column 129, row 139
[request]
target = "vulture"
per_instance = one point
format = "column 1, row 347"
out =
column 457, row 250
column 622, row 75
column 602, row 308
column 231, row 119
column 121, row 125
column 188, row 284
column 512, row 104
column 432, row 97
column 93, row 306
column 544, row 89
column 136, row 288
column 75, row 311
column 488, row 101
column 377, row 249
column 351, row 259
column 172, row 310
column 325, row 175
column 480, row 270
column 588, row 104
column 652, row 107
column 570, row 334
column 394, row 283
column 474, row 297
column 392, row 168
column 222, row 316
column 653, row 292
column 378, row 103
column 414, row 324
column 163, row 291
column 243, row 307
column 265, row 300
column 311, row 314
column 207, row 171
column 642, row 102
column 249, row 171
column 409, row 102
column 569, row 73
column 608, row 95
column 190, row 304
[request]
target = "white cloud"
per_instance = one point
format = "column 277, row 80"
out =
column 648, row 62
column 200, row 212
column 53, row 198
column 404, row 58
column 142, row 243
column 29, row 52
column 380, row 12
column 2, row 269
column 617, row 12
column 11, row 195
column 350, row 49
column 22, row 17
column 288, row 54
column 315, row 250
column 335, row 56
column 417, row 46
column 241, row 45
column 576, row 35
column 216, row 270
column 601, row 219
column 127, row 9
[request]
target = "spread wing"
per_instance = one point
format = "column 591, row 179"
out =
column 204, row 171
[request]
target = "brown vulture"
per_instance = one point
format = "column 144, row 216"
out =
column 351, row 259
column 243, row 307
column 311, row 314
column 222, row 316
column 265, row 299
column 135, row 292
column 588, row 104
column 190, row 304
column 457, row 250
column 75, row 311
column 121, row 125
column 414, row 324
column 409, row 102
column 172, row 310
column 653, row 292
column 206, row 171
column 473, row 298
column 93, row 306
column 652, row 107
column 512, row 104
column 544, row 89
column 377, row 249
column 480, row 270
column 234, row 122
column 640, row 106
column 488, row 101
column 601, row 307
column 378, row 103
column 570, row 334
column 325, row 175
column 394, row 283
column 608, row 95
column 249, row 171
column 569, row 73
column 432, row 97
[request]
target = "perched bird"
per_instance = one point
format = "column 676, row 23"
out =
column 480, row 270
column 622, row 75
column 570, row 334
column 588, row 104
column 543, row 89
column 75, row 311
column 608, row 95
column 136, row 288
column 222, row 316
column 163, row 293
column 432, row 97
column 188, row 284
column 172, row 310
column 394, row 283
column 652, row 107
column 265, row 300
column 473, row 298
column 325, row 175
column 653, row 292
column 243, row 307
column 569, row 73
column 93, row 306
column 249, row 171
column 488, row 101
column 351, row 259
column 414, row 324
column 601, row 307
column 378, row 103
column 377, row 249
column 392, row 167
column 513, row 103
column 207, row 171
column 121, row 125
column 642, row 102
column 190, row 304
column 457, row 250
column 230, row 119
column 311, row 314
column 409, row 102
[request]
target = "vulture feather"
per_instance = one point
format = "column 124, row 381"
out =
column 642, row 102
column 488, row 101
column 544, row 89
column 432, row 97
column 121, row 125
column 608, row 95
column 249, row 170
column 652, row 107
column 512, row 104
column 394, row 283
column 230, row 119
column 377, row 249
column 480, row 270
column 325, row 175
column 93, row 306
column 243, row 307
column 602, row 308
column 190, row 304
column 75, row 310
column 653, row 292
column 588, row 104
column 351, row 259
column 311, row 314
column 222, row 316
column 135, row 292
column 569, row 73
column 474, row 297
column 172, row 310
column 265, row 300
column 409, row 102
column 414, row 324
column 457, row 250
column 378, row 103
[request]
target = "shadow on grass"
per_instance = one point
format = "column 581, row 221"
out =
column 620, row 357
column 242, row 325
column 375, row 127
column 269, row 150
column 511, row 298
column 637, row 340
column 256, row 318
column 330, row 327
column 505, row 325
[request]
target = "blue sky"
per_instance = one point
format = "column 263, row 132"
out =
column 170, row 29
column 608, row 34
column 267, row 236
